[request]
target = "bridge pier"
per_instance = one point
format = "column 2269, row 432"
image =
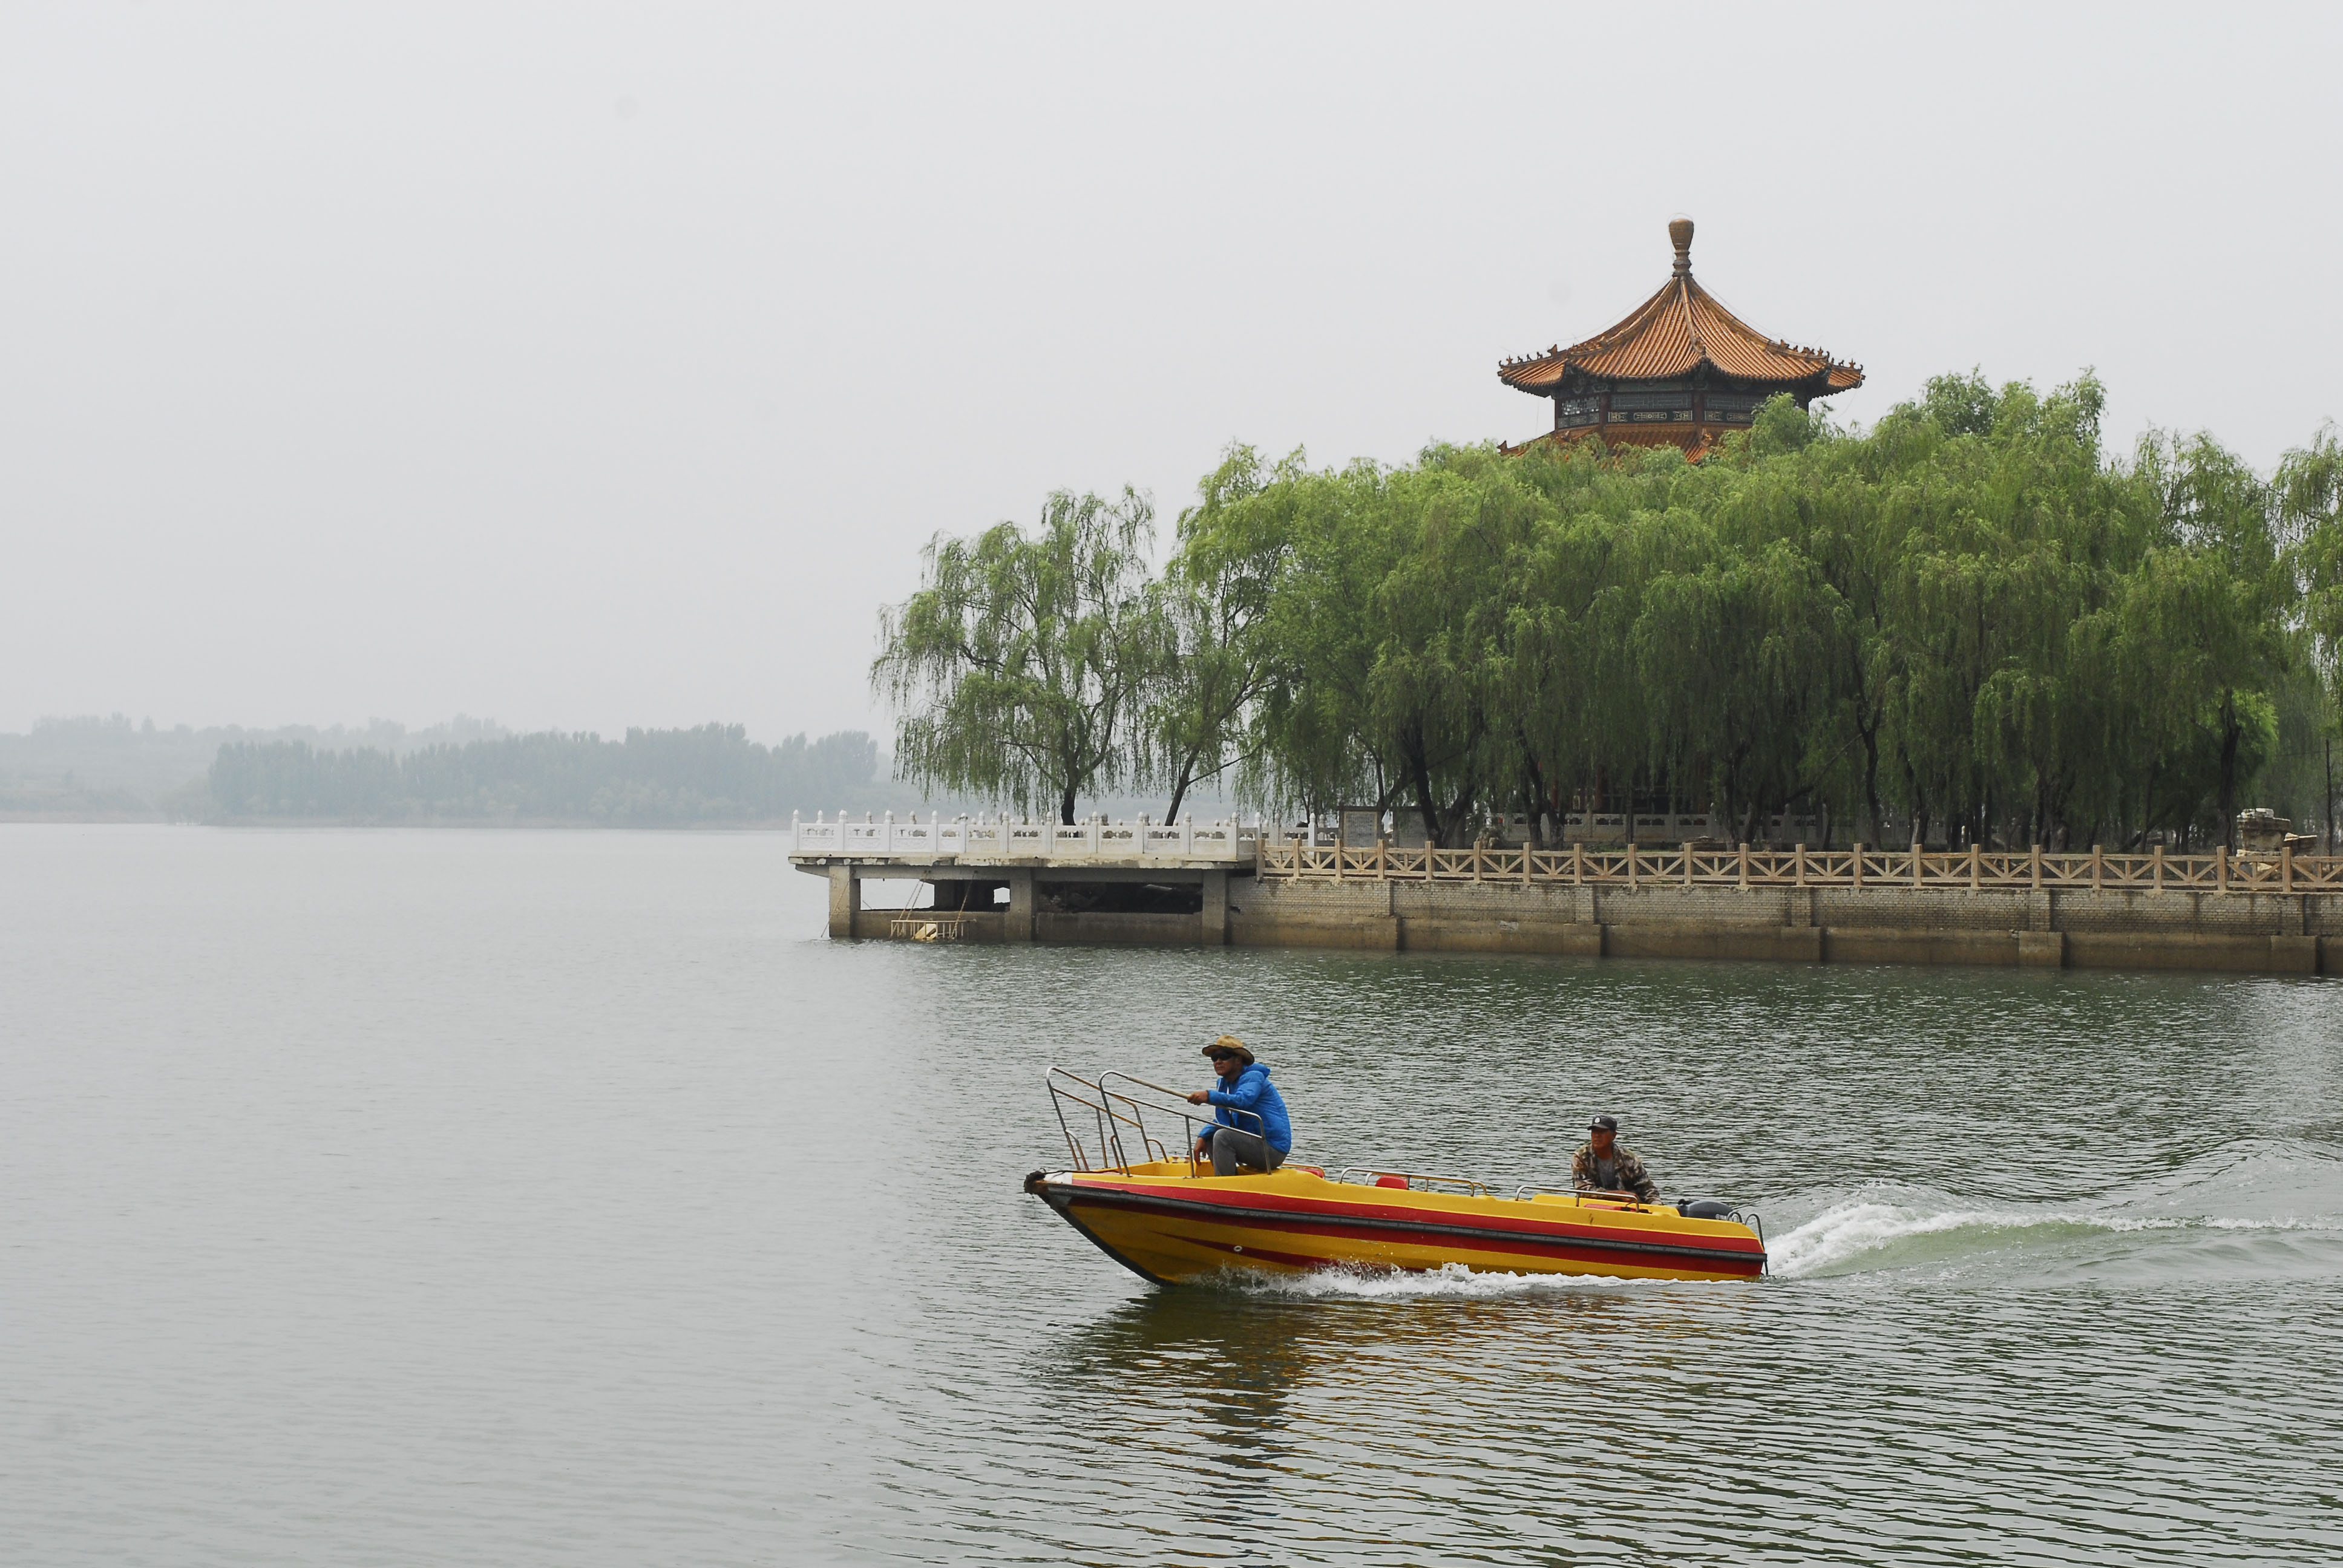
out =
column 1019, row 925
column 845, row 897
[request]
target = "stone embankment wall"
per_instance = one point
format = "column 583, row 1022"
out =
column 2300, row 933
column 2288, row 933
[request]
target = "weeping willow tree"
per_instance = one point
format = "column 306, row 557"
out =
column 2311, row 485
column 2216, row 592
column 1383, row 622
column 1017, row 668
column 1969, row 617
column 1968, row 624
column 1210, row 655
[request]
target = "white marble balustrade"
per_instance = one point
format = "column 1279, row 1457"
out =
column 985, row 837
column 917, row 837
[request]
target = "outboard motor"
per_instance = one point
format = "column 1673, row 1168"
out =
column 1704, row 1208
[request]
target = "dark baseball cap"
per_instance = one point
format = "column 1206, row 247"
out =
column 1604, row 1124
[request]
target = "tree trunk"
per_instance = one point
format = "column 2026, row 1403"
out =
column 1870, row 733
column 1066, row 806
column 1535, row 780
column 1424, row 805
column 2329, row 823
column 1871, row 779
column 1178, row 793
column 2231, row 728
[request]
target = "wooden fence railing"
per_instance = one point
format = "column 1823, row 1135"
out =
column 1692, row 866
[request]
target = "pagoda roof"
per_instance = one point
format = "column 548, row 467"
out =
column 1674, row 332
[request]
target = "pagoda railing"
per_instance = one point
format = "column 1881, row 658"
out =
column 1699, row 866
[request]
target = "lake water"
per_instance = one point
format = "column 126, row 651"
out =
column 489, row 1197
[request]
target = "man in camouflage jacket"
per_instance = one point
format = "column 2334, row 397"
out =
column 1603, row 1164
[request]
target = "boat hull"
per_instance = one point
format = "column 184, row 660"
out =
column 1174, row 1228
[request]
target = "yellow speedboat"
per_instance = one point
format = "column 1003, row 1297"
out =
column 1169, row 1221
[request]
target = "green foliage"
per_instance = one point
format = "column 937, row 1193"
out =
column 1781, row 426
column 2310, row 488
column 1018, row 668
column 1208, row 653
column 2310, row 484
column 1967, row 624
column 1960, row 405
column 663, row 776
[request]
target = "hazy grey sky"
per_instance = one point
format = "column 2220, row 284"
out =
column 588, row 366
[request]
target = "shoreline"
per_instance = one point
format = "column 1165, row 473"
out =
column 2261, row 934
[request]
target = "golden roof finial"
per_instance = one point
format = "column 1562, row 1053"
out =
column 1680, row 232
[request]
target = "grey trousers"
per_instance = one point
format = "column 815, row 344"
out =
column 1232, row 1148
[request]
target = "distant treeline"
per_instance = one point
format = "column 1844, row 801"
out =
column 714, row 773
column 89, row 769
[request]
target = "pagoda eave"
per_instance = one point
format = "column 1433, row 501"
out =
column 1824, row 381
column 1680, row 364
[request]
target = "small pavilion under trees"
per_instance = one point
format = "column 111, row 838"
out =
column 1681, row 370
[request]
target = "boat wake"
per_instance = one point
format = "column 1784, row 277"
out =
column 2277, row 1210
column 2262, row 1213
column 1930, row 1225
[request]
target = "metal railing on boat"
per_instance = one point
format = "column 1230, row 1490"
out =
column 1608, row 1197
column 1376, row 1176
column 1113, row 1112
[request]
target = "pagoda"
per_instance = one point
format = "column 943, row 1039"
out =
column 1681, row 370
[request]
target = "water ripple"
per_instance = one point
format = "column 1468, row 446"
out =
column 491, row 1198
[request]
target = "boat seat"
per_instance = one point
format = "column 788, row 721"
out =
column 1391, row 1181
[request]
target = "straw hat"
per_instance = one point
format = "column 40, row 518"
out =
column 1230, row 1045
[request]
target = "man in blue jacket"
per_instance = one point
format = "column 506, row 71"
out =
column 1255, row 1131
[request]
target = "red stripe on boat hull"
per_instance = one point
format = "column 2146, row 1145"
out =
column 1453, row 1232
